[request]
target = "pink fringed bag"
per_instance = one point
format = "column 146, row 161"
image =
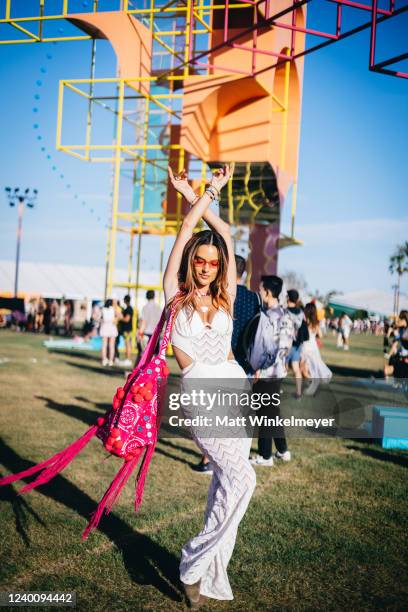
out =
column 128, row 430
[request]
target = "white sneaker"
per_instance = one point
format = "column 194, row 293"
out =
column 127, row 362
column 259, row 460
column 105, row 362
column 110, row 363
column 286, row 456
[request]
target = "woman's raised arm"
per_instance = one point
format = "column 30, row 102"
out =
column 180, row 183
column 221, row 227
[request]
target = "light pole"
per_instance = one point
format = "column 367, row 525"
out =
column 14, row 197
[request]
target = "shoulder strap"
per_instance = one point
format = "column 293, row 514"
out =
column 248, row 334
column 166, row 336
column 149, row 350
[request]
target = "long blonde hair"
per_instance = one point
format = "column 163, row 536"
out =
column 188, row 286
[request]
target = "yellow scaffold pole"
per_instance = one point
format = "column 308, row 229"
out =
column 116, row 186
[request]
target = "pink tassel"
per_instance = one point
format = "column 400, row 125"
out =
column 141, row 477
column 29, row 472
column 53, row 465
column 111, row 494
column 126, row 474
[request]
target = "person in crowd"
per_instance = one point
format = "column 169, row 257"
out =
column 126, row 329
column 200, row 286
column 69, row 313
column 118, row 321
column 272, row 343
column 398, row 355
column 47, row 317
column 150, row 316
column 54, row 315
column 40, row 311
column 313, row 365
column 91, row 326
column 87, row 331
column 246, row 306
column 335, row 327
column 344, row 328
column 108, row 332
column 61, row 312
column 31, row 313
column 18, row 320
column 96, row 318
column 302, row 334
column 388, row 341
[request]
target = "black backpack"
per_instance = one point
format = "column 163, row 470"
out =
column 247, row 337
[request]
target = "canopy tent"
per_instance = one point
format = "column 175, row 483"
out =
column 374, row 301
column 71, row 282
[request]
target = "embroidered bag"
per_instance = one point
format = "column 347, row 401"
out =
column 128, row 430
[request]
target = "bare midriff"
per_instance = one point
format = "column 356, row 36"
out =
column 184, row 360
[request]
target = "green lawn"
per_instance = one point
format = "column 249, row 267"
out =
column 327, row 531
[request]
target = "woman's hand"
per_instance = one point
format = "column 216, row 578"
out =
column 221, row 177
column 180, row 184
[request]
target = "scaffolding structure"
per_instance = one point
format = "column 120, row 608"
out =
column 182, row 48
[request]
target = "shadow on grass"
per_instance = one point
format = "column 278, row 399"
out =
column 77, row 412
column 165, row 453
column 21, row 510
column 355, row 372
column 185, row 449
column 112, row 372
column 141, row 555
column 81, row 354
column 381, row 455
column 100, row 405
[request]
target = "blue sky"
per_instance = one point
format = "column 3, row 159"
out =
column 352, row 196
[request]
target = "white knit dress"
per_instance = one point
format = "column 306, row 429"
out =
column 206, row 556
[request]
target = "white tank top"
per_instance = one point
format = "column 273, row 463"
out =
column 203, row 342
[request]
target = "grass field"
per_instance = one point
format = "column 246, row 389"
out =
column 327, row 531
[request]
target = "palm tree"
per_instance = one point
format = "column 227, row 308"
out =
column 326, row 298
column 399, row 264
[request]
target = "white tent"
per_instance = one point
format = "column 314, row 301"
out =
column 372, row 300
column 72, row 282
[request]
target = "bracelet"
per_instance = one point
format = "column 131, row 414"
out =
column 216, row 189
column 197, row 197
column 213, row 191
column 210, row 193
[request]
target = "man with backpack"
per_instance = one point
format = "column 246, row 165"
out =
column 267, row 356
column 246, row 305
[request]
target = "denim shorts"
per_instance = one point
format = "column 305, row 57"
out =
column 294, row 354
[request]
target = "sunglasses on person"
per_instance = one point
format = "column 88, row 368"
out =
column 200, row 262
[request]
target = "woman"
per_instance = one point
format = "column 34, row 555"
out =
column 398, row 355
column 200, row 284
column 69, row 311
column 108, row 332
column 313, row 365
column 39, row 322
